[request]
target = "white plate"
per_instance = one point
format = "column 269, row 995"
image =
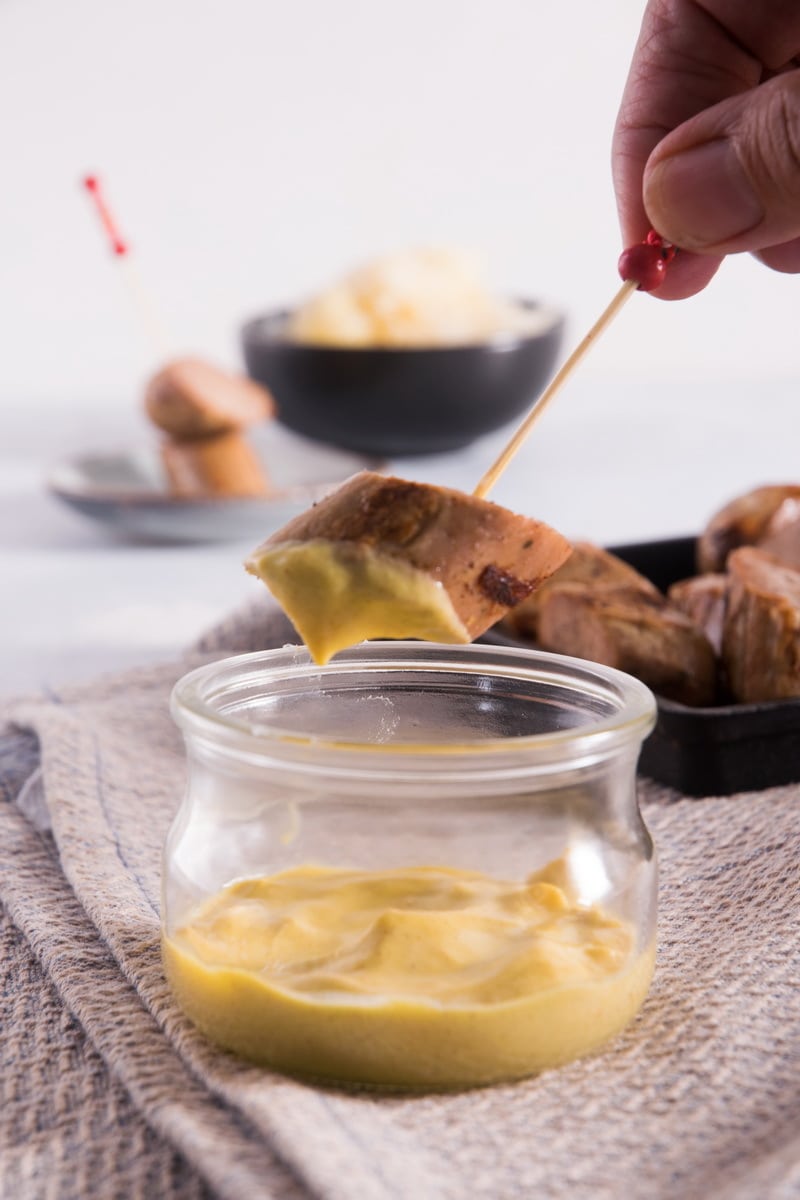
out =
column 128, row 492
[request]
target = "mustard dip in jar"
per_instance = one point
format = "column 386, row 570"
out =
column 419, row 866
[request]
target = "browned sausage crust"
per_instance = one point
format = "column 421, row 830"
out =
column 588, row 564
column 761, row 642
column 193, row 399
column 634, row 632
column 742, row 522
column 485, row 556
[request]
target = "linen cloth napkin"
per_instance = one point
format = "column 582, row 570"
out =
column 108, row 1091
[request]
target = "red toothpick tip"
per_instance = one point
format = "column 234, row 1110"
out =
column 646, row 263
column 118, row 244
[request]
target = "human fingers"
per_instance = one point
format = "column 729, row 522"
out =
column 728, row 180
column 683, row 64
column 691, row 55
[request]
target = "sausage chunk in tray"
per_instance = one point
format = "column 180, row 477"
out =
column 761, row 642
column 634, row 632
column 744, row 521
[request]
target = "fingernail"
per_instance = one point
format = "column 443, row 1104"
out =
column 702, row 197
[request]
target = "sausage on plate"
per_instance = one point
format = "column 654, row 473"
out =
column 190, row 398
column 213, row 467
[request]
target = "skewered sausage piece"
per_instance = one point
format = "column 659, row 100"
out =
column 383, row 557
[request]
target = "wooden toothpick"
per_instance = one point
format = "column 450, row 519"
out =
column 578, row 354
column 120, row 248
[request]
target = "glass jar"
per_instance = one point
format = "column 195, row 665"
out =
column 420, row 866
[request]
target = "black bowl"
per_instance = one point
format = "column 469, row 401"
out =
column 396, row 401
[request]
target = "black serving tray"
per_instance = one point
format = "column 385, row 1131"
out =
column 720, row 750
column 723, row 749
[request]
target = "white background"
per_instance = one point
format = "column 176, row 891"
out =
column 255, row 150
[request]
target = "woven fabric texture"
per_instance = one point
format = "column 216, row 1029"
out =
column 108, row 1091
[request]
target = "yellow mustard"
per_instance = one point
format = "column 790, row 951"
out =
column 414, row 977
column 339, row 593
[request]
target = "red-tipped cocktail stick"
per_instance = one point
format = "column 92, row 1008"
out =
column 642, row 268
column 92, row 185
column 145, row 309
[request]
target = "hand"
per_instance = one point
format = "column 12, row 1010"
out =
column 707, row 142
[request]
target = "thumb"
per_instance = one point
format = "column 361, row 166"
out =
column 729, row 179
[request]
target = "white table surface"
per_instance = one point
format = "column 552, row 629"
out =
column 613, row 461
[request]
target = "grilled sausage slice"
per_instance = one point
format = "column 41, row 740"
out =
column 634, row 632
column 742, row 522
column 225, row 465
column 761, row 641
column 384, row 557
column 587, row 564
column 193, row 399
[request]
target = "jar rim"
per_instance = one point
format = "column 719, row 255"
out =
column 194, row 712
